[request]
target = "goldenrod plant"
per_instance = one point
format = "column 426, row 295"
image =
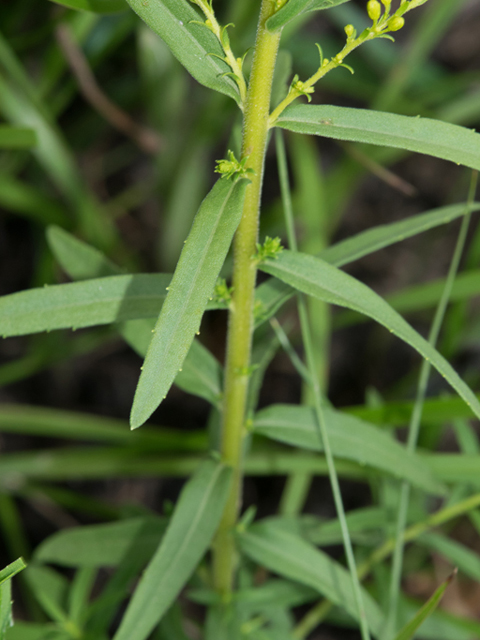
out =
column 208, row 566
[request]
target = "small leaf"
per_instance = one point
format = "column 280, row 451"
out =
column 294, row 8
column 176, row 22
column 96, row 6
column 349, row 437
column 192, row 284
column 186, row 540
column 305, row 273
column 423, row 135
column 289, row 555
column 16, row 137
column 428, row 608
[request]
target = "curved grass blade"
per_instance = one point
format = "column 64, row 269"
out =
column 83, row 304
column 292, row 557
column 272, row 294
column 192, row 44
column 96, row 6
column 16, row 137
column 305, row 273
column 192, row 284
column 187, row 538
column 422, row 135
column 103, row 545
column 349, row 437
column 294, row 8
column 408, row 632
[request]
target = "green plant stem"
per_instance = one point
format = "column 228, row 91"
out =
column 317, row 396
column 240, row 330
column 416, row 417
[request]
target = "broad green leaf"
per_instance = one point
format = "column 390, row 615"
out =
column 271, row 295
column 349, row 437
column 16, row 137
column 83, row 304
column 423, row 135
column 192, row 284
column 294, row 8
column 408, row 632
column 192, row 44
column 102, row 545
column 288, row 555
column 80, row 260
column 305, row 273
column 186, row 540
column 466, row 560
column 96, row 6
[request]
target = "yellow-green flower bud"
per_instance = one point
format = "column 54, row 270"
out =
column 374, row 10
column 350, row 31
column 395, row 23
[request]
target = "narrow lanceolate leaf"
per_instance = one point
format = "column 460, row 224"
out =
column 95, row 6
column 102, row 545
column 290, row 556
column 83, row 304
column 186, row 540
column 192, row 44
column 16, row 137
column 349, row 437
column 80, row 260
column 423, row 135
column 294, row 8
column 408, row 632
column 323, row 281
column 272, row 294
column 192, row 284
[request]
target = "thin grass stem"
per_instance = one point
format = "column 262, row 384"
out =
column 312, row 368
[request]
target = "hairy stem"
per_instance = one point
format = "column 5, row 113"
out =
column 239, row 340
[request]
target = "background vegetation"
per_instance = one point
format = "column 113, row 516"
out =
column 124, row 153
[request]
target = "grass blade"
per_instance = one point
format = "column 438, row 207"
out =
column 290, row 556
column 192, row 44
column 428, row 608
column 192, row 284
column 306, row 272
column 423, row 135
column 350, row 438
column 188, row 536
column 16, row 137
